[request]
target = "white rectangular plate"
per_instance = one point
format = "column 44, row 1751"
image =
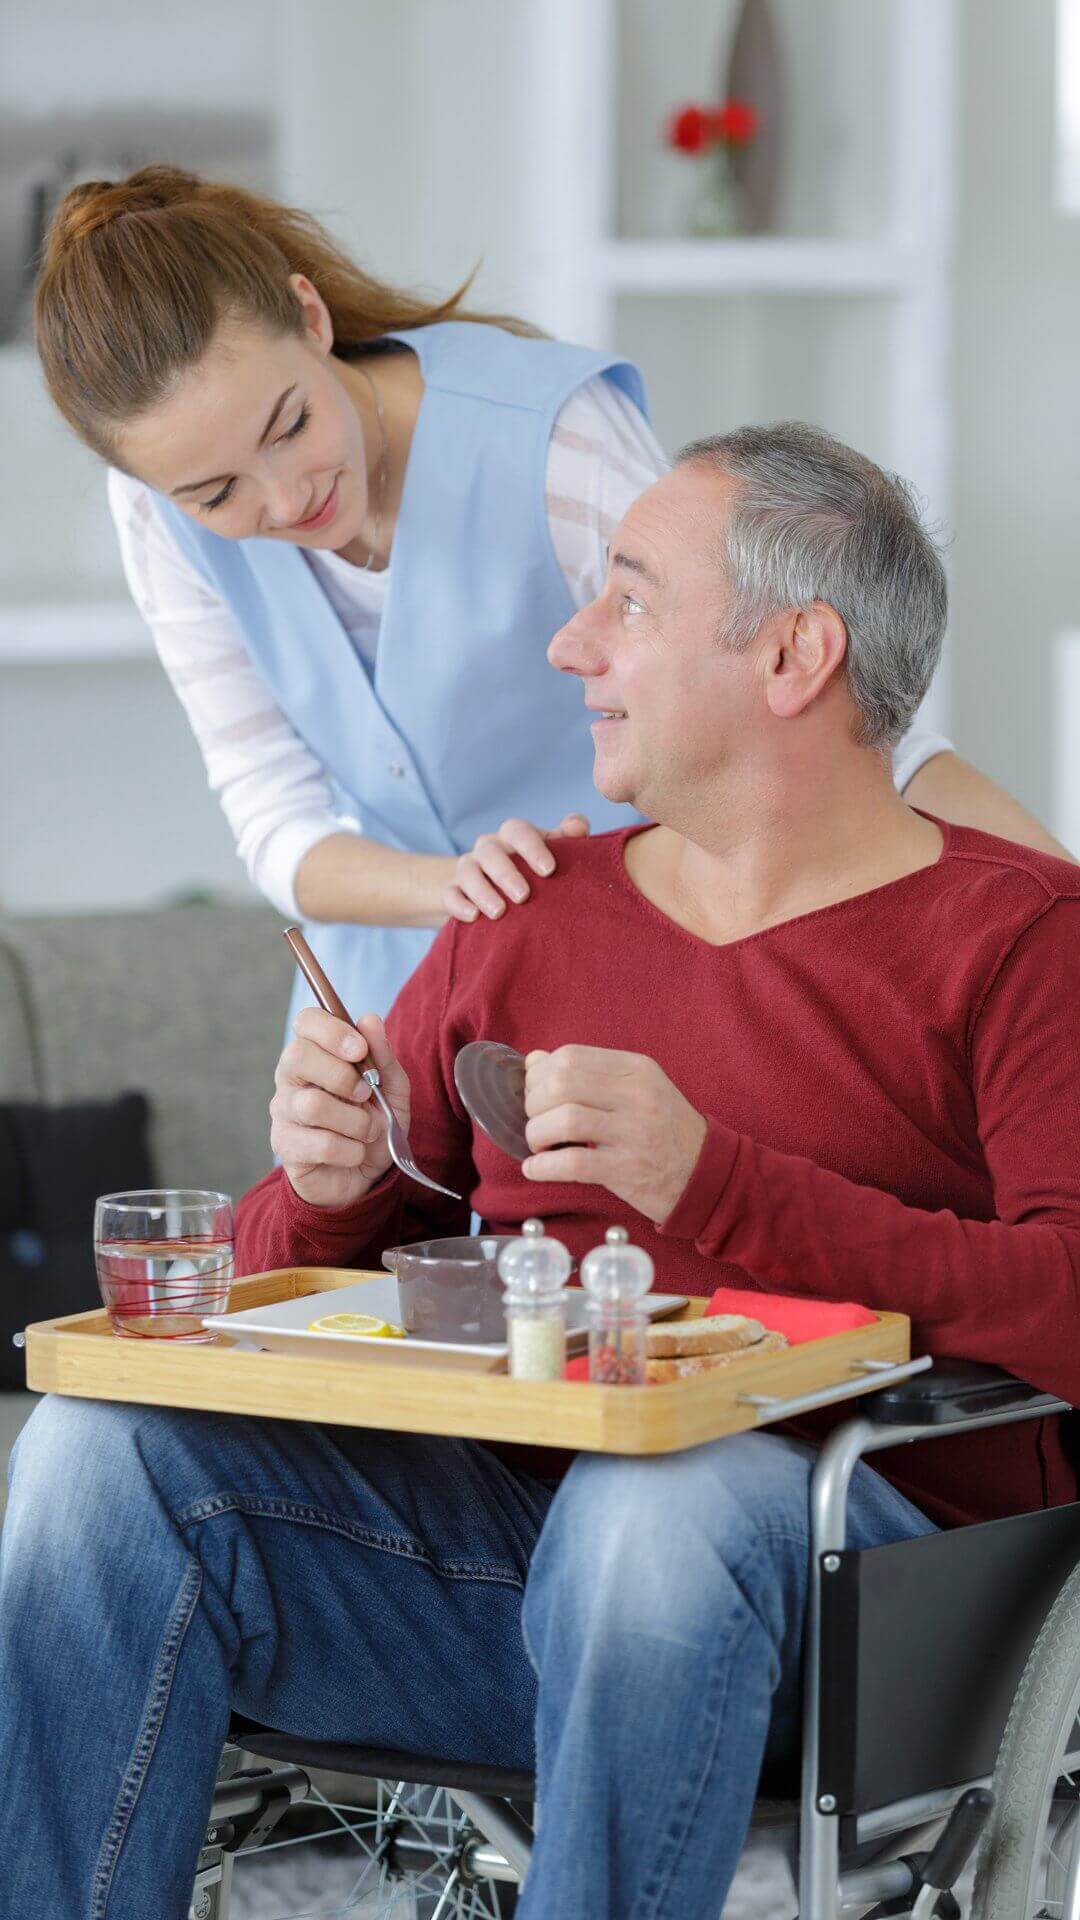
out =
column 285, row 1327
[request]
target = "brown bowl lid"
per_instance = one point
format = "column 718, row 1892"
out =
column 490, row 1078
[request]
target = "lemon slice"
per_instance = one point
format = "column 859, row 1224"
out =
column 357, row 1323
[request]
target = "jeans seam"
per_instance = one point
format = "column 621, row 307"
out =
column 157, row 1700
column 403, row 1546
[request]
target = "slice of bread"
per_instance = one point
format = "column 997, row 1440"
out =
column 712, row 1333
column 657, row 1372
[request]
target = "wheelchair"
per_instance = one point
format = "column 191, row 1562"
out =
column 941, row 1722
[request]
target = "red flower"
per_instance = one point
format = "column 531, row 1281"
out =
column 688, row 130
column 735, row 123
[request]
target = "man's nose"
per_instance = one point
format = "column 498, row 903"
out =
column 574, row 648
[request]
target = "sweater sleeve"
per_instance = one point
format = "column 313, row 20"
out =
column 1004, row 1290
column 276, row 1228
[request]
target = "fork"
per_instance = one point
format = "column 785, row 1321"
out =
column 397, row 1139
column 331, row 1002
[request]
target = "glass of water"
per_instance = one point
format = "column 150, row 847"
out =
column 164, row 1258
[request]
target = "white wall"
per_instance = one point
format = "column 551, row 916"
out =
column 1016, row 579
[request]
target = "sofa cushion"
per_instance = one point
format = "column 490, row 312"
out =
column 187, row 1003
column 54, row 1162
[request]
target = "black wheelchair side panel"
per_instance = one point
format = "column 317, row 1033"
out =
column 923, row 1644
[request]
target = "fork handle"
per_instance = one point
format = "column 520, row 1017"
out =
column 317, row 980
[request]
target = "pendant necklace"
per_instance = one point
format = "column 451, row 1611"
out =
column 380, row 472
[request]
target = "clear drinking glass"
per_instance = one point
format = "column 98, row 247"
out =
column 164, row 1257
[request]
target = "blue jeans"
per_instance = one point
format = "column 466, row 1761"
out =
column 160, row 1569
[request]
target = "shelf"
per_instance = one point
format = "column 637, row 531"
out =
column 38, row 633
column 757, row 265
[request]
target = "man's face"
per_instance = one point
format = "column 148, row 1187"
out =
column 680, row 703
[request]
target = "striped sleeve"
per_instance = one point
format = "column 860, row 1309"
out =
column 274, row 792
column 602, row 454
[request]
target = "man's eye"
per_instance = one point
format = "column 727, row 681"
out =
column 632, row 605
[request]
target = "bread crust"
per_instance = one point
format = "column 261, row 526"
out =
column 683, row 1367
column 712, row 1333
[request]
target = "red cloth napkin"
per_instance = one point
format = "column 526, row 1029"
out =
column 787, row 1313
column 799, row 1318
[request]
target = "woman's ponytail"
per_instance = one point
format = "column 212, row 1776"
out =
column 136, row 275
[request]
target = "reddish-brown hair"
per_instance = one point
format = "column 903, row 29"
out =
column 137, row 274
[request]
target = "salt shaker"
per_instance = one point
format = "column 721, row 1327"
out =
column 534, row 1272
column 616, row 1278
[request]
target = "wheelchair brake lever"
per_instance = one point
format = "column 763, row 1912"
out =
column 950, row 1855
column 934, row 1874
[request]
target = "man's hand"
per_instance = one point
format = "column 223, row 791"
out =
column 485, row 878
column 610, row 1120
column 326, row 1127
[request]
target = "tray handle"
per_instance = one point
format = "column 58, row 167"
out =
column 885, row 1373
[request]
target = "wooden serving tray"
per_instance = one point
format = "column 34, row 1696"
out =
column 81, row 1356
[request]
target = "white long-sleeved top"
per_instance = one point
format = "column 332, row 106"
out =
column 274, row 790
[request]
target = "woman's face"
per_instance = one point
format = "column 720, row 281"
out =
column 263, row 438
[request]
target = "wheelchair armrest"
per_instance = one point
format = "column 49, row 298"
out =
column 953, row 1390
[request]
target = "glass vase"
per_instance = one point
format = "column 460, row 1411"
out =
column 714, row 208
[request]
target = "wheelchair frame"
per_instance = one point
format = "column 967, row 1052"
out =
column 824, row 1891
column 847, row 1616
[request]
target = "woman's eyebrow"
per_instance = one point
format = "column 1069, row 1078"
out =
column 193, row 485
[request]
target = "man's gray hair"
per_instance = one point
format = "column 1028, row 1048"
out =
column 813, row 520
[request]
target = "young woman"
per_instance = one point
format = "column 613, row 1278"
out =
column 353, row 521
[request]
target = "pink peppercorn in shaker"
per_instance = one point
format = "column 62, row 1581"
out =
column 534, row 1272
column 616, row 1278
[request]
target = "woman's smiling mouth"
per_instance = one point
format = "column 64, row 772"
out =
column 322, row 517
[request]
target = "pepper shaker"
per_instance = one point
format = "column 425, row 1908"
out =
column 616, row 1278
column 534, row 1271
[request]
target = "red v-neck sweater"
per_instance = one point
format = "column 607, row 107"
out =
column 892, row 1086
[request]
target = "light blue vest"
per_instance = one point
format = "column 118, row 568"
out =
column 464, row 721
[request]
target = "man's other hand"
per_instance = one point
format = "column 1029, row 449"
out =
column 613, row 1120
column 326, row 1128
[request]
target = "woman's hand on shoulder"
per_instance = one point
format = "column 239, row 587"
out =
column 325, row 1127
column 490, row 875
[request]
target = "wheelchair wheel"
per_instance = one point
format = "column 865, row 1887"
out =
column 1029, row 1863
column 400, row 1858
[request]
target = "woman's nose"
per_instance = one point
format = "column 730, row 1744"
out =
column 285, row 503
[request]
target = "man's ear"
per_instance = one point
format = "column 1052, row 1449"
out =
column 807, row 654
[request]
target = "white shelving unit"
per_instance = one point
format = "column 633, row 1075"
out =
column 758, row 264
column 849, row 324
column 70, row 633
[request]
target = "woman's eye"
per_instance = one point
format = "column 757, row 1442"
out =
column 302, row 420
column 226, row 493
column 219, row 499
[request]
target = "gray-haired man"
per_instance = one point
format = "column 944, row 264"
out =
column 794, row 1035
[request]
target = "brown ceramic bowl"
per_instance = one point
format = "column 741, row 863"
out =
column 450, row 1289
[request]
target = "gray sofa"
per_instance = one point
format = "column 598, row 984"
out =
column 185, row 1004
